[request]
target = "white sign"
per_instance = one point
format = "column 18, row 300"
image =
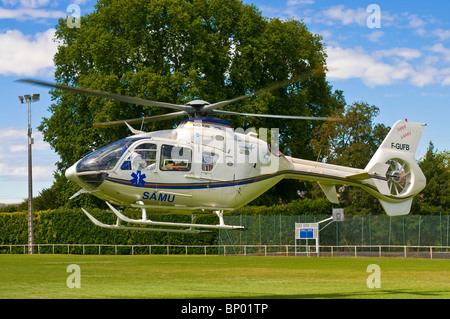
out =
column 338, row 214
column 306, row 230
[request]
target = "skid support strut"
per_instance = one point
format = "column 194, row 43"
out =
column 189, row 227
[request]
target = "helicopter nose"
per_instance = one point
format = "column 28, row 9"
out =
column 87, row 180
column 71, row 173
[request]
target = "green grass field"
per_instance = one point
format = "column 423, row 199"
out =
column 180, row 277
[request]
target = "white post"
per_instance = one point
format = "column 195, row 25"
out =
column 317, row 247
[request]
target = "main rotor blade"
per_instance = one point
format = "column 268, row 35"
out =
column 274, row 86
column 112, row 96
column 141, row 119
column 293, row 117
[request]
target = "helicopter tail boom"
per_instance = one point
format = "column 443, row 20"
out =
column 392, row 175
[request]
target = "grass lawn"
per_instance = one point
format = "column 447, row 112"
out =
column 184, row 277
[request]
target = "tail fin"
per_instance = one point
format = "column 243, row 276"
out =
column 395, row 159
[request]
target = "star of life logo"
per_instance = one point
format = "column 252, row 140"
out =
column 138, row 179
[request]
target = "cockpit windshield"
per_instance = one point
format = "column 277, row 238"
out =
column 105, row 158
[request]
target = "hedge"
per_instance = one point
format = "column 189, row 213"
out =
column 71, row 226
column 266, row 225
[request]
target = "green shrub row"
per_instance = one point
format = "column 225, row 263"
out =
column 72, row 226
column 266, row 225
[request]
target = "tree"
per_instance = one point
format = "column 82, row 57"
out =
column 435, row 197
column 354, row 139
column 352, row 142
column 175, row 51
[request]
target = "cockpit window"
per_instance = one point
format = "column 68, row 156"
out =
column 105, row 158
column 142, row 157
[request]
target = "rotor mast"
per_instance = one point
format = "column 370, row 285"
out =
column 198, row 107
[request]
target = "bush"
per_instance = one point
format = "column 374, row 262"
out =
column 71, row 226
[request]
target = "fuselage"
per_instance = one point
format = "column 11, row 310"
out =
column 203, row 164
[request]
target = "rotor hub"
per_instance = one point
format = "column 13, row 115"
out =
column 396, row 176
column 197, row 103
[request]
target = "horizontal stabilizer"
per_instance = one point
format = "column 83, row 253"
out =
column 380, row 169
column 330, row 192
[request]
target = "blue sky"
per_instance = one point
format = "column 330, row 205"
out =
column 396, row 56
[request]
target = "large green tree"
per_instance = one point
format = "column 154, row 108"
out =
column 178, row 50
column 354, row 139
column 351, row 142
column 435, row 197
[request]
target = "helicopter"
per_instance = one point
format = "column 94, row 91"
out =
column 206, row 166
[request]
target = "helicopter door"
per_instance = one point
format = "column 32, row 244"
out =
column 209, row 160
column 175, row 159
column 141, row 157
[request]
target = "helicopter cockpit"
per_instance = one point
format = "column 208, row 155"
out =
column 130, row 154
column 105, row 158
column 139, row 156
column 90, row 171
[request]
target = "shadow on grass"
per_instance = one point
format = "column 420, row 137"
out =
column 371, row 294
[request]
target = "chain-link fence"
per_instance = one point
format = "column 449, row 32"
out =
column 410, row 230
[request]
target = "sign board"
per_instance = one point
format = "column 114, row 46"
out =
column 338, row 214
column 306, row 233
column 306, row 230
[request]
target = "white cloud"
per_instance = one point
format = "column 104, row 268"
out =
column 442, row 34
column 27, row 3
column 14, row 155
column 446, row 81
column 345, row 15
column 30, row 14
column 439, row 48
column 415, row 21
column 424, row 75
column 386, row 67
column 299, row 2
column 375, row 36
column 26, row 55
column 356, row 63
column 40, row 172
column 340, row 14
column 14, row 164
column 405, row 53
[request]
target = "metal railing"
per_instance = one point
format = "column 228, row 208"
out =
column 440, row 252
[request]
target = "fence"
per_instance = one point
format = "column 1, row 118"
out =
column 433, row 252
column 410, row 230
column 265, row 234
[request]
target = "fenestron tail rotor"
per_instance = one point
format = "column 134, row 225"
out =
column 398, row 176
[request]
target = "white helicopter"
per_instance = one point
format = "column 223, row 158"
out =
column 205, row 166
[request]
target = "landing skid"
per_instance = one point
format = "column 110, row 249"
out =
column 192, row 228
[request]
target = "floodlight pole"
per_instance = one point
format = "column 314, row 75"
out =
column 30, row 99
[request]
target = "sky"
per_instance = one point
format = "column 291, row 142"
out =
column 392, row 54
